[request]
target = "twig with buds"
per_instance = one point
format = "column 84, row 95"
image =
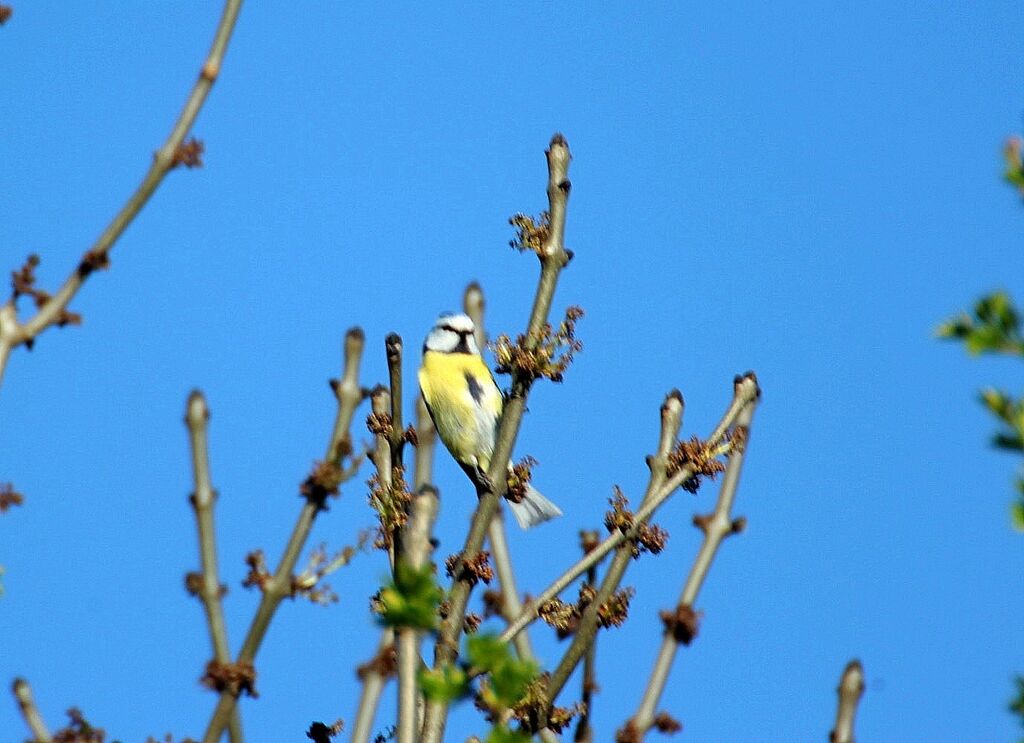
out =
column 681, row 623
column 553, row 258
column 322, row 482
column 52, row 309
column 206, row 584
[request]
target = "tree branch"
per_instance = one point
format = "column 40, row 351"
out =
column 671, row 421
column 554, row 258
column 374, row 675
column 745, row 390
column 29, row 711
column 207, row 586
column 851, row 688
column 716, row 527
column 280, row 584
column 584, row 732
column 53, row 310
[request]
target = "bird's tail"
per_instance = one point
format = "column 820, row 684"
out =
column 533, row 509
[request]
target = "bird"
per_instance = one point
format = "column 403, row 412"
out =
column 465, row 404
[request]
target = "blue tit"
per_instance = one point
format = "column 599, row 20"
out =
column 465, row 403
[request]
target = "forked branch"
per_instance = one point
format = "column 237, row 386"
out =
column 681, row 622
column 52, row 310
column 323, row 482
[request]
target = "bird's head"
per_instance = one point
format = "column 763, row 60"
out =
column 452, row 333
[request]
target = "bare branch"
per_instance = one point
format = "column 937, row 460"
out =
column 280, row 584
column 29, row 711
column 208, row 586
column 53, row 310
column 681, row 623
column 851, row 688
column 671, row 421
column 745, row 390
column 584, row 732
column 554, row 258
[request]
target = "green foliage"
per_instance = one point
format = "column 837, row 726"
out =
column 446, row 684
column 411, row 599
column 993, row 328
column 509, row 677
column 1017, row 704
column 501, row 734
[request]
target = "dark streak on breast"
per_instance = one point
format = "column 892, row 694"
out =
column 474, row 387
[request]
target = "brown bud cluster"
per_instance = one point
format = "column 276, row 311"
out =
column 473, row 570
column 682, row 623
column 236, row 678
column 6, row 11
column 23, row 284
column 324, row 480
column 320, row 733
column 258, row 574
column 494, row 603
column 379, row 424
column 565, row 617
column 519, row 478
column 471, row 623
column 696, row 455
column 391, row 504
column 78, row 730
column 549, row 354
column 531, row 233
column 383, row 664
column 649, row 537
column 9, row 497
column 189, row 153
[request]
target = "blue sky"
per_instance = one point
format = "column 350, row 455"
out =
column 799, row 190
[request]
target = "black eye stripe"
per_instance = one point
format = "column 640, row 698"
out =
column 450, row 329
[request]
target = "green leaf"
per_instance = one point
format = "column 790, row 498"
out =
column 486, row 651
column 445, row 684
column 1017, row 514
column 1008, row 441
column 501, row 734
column 411, row 599
column 509, row 677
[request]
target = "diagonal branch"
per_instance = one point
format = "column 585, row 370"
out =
column 681, row 624
column 671, row 421
column 53, row 310
column 553, row 258
column 584, row 731
column 207, row 585
column 745, row 390
column 29, row 711
column 279, row 585
column 851, row 688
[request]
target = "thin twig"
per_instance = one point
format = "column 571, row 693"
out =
column 671, row 421
column 52, row 311
column 208, row 587
column 553, row 258
column 716, row 527
column 851, row 688
column 745, row 390
column 29, row 711
column 279, row 585
column 584, row 732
